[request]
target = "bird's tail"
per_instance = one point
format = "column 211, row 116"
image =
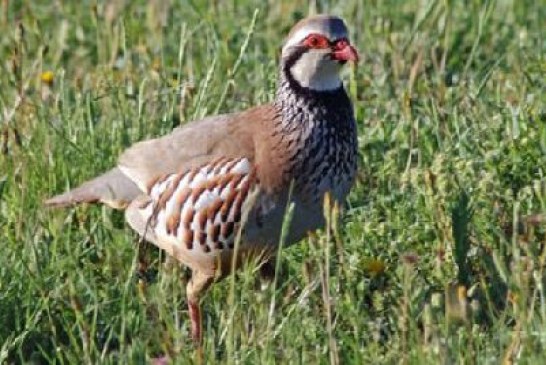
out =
column 113, row 188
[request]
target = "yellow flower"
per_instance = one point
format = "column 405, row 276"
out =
column 47, row 77
column 156, row 64
column 375, row 266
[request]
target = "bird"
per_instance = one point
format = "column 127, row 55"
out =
column 215, row 191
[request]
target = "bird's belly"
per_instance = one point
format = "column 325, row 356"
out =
column 265, row 222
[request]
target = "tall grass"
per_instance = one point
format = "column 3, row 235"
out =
column 440, row 254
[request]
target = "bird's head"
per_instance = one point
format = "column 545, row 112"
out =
column 315, row 51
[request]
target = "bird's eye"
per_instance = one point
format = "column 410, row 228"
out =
column 316, row 41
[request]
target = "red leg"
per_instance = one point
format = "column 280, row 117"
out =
column 195, row 318
column 196, row 286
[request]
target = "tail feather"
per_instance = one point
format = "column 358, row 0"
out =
column 113, row 188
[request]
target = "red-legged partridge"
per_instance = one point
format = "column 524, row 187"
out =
column 187, row 192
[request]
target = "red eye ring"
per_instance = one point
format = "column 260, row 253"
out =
column 316, row 41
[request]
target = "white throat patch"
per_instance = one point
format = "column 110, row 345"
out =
column 312, row 70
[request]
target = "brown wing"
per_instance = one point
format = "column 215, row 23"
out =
column 189, row 146
column 228, row 136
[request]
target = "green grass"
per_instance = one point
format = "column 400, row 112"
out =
column 439, row 258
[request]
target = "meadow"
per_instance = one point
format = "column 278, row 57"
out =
column 439, row 257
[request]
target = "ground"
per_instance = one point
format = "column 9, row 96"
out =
column 440, row 254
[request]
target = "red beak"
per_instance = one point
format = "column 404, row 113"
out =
column 347, row 53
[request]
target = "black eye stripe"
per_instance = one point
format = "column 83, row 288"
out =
column 294, row 57
column 298, row 51
column 330, row 43
column 335, row 42
column 286, row 65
